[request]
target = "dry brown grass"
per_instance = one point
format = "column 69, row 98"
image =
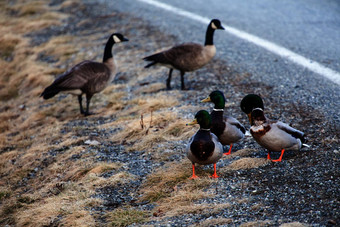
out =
column 241, row 153
column 67, row 198
column 27, row 132
column 294, row 224
column 175, row 194
column 40, row 177
column 125, row 217
column 256, row 223
column 215, row 222
column 152, row 128
column 248, row 163
column 69, row 203
column 60, row 47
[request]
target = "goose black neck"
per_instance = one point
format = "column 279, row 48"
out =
column 108, row 50
column 209, row 36
column 217, row 116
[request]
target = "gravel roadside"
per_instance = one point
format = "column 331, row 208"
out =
column 303, row 188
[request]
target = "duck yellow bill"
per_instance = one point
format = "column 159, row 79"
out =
column 249, row 116
column 193, row 122
column 206, row 100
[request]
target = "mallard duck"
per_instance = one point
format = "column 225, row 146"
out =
column 274, row 135
column 187, row 57
column 227, row 129
column 250, row 102
column 87, row 77
column 203, row 147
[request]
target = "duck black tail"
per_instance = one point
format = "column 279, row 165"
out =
column 49, row 92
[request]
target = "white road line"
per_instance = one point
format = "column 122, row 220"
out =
column 272, row 47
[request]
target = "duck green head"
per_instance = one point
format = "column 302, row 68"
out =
column 249, row 103
column 202, row 118
column 216, row 97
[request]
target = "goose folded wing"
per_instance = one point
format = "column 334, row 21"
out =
column 81, row 74
column 182, row 53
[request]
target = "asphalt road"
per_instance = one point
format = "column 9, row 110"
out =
column 310, row 28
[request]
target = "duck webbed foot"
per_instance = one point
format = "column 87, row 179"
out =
column 193, row 172
column 215, row 174
column 229, row 152
column 276, row 160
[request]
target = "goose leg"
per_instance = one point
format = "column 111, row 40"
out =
column 215, row 174
column 193, row 172
column 182, row 80
column 80, row 99
column 228, row 153
column 168, row 81
column 88, row 98
column 279, row 159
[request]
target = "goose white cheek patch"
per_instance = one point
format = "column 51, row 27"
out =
column 116, row 39
column 213, row 25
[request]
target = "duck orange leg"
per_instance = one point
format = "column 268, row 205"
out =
column 279, row 159
column 215, row 174
column 228, row 153
column 193, row 172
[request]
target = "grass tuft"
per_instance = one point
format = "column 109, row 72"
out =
column 248, row 163
column 7, row 45
column 4, row 195
column 125, row 217
column 173, row 191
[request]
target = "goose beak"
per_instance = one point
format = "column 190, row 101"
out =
column 192, row 123
column 206, row 100
column 221, row 27
column 125, row 39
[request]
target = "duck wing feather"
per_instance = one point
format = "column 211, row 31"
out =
column 290, row 130
column 236, row 123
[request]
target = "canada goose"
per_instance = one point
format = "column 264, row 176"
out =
column 203, row 147
column 250, row 102
column 227, row 129
column 275, row 135
column 187, row 57
column 87, row 77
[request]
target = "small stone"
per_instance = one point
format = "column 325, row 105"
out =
column 92, row 142
column 332, row 222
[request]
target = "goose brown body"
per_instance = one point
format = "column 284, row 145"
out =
column 187, row 57
column 79, row 79
column 87, row 77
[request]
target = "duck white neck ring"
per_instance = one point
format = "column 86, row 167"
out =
column 218, row 109
column 205, row 129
